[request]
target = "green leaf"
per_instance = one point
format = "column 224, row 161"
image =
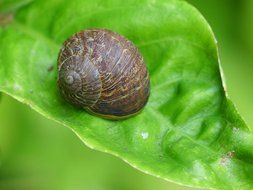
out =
column 189, row 132
column 11, row 5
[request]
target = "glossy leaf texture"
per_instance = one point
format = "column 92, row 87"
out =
column 189, row 132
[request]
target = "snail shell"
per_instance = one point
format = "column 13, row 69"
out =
column 104, row 73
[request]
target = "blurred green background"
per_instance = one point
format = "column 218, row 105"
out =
column 38, row 154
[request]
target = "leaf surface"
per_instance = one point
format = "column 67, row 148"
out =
column 189, row 132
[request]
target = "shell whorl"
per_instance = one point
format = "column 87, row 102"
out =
column 104, row 73
column 79, row 79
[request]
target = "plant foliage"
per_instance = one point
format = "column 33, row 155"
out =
column 189, row 132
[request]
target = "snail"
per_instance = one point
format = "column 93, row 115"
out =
column 104, row 73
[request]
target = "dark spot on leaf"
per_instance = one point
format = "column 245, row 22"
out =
column 226, row 158
column 51, row 68
column 5, row 19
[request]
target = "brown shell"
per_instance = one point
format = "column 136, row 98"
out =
column 104, row 73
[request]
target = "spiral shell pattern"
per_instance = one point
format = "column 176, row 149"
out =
column 104, row 73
